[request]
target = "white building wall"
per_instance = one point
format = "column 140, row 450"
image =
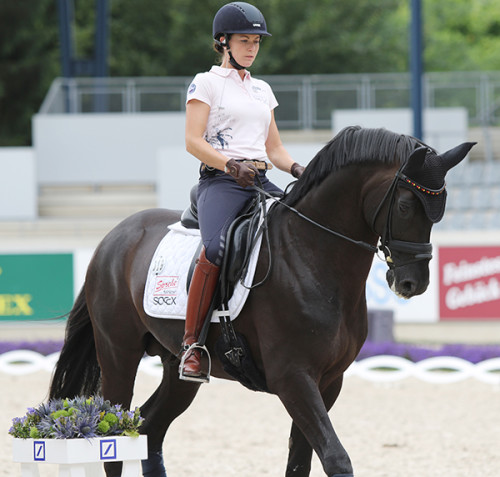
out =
column 103, row 148
column 18, row 190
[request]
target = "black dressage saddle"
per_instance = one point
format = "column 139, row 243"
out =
column 240, row 238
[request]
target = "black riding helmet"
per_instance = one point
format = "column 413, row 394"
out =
column 238, row 17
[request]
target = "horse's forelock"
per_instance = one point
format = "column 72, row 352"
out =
column 353, row 145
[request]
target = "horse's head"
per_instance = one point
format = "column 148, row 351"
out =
column 412, row 177
column 415, row 200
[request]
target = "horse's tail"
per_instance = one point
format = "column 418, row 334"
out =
column 77, row 371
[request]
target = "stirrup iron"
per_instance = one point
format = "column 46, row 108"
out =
column 203, row 378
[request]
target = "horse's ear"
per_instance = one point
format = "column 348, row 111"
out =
column 452, row 157
column 415, row 161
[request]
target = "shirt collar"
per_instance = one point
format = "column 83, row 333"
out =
column 225, row 72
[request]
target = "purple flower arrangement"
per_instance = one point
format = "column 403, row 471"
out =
column 80, row 417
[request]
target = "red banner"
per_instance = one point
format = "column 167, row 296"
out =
column 469, row 282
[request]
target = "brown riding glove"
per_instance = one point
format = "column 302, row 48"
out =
column 297, row 170
column 243, row 173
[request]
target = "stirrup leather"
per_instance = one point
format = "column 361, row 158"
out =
column 203, row 378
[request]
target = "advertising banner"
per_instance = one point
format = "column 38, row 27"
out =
column 35, row 286
column 469, row 283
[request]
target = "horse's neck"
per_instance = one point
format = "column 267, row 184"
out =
column 337, row 204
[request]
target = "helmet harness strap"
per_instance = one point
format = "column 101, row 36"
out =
column 232, row 61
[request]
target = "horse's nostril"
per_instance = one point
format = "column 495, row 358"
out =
column 408, row 287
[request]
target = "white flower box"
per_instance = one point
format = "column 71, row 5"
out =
column 80, row 456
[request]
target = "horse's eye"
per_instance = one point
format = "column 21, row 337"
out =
column 404, row 207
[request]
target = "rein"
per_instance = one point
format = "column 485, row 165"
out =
column 359, row 243
column 419, row 251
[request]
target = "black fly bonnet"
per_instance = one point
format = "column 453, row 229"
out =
column 424, row 174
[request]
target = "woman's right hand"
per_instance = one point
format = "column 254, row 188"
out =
column 243, row 173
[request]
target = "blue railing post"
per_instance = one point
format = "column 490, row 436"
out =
column 416, row 67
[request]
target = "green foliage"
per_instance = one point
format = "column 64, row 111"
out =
column 111, row 418
column 103, row 427
column 29, row 61
column 462, row 35
column 334, row 37
column 174, row 38
column 84, row 28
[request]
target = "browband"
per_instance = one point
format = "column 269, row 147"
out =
column 420, row 187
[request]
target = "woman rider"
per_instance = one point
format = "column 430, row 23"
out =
column 230, row 128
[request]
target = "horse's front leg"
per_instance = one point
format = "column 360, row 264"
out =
column 300, row 451
column 303, row 401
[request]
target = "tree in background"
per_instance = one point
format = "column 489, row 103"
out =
column 29, row 61
column 174, row 38
column 462, row 35
column 153, row 37
column 321, row 36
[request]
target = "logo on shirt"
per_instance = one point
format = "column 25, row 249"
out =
column 258, row 94
column 192, row 88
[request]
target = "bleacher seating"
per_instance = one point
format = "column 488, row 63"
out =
column 76, row 216
column 473, row 197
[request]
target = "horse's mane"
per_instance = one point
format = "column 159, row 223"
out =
column 353, row 145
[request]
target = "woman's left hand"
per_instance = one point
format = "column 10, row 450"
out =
column 297, row 170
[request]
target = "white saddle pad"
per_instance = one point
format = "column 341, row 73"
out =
column 165, row 293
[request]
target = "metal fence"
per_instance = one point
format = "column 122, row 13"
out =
column 306, row 101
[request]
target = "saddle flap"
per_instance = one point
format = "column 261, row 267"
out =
column 239, row 245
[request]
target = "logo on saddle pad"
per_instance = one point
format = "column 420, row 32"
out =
column 165, row 294
column 165, row 290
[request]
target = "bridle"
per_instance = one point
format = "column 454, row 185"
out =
column 416, row 251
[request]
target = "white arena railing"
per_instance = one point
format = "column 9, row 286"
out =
column 378, row 369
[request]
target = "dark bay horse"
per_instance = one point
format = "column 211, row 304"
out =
column 304, row 325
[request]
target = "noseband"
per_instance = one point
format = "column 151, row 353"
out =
column 416, row 251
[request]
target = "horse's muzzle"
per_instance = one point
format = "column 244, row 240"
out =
column 407, row 285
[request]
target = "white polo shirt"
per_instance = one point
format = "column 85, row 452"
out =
column 240, row 111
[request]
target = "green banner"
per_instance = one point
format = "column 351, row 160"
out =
column 35, row 286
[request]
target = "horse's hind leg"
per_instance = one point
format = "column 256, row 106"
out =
column 118, row 372
column 170, row 400
column 299, row 455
